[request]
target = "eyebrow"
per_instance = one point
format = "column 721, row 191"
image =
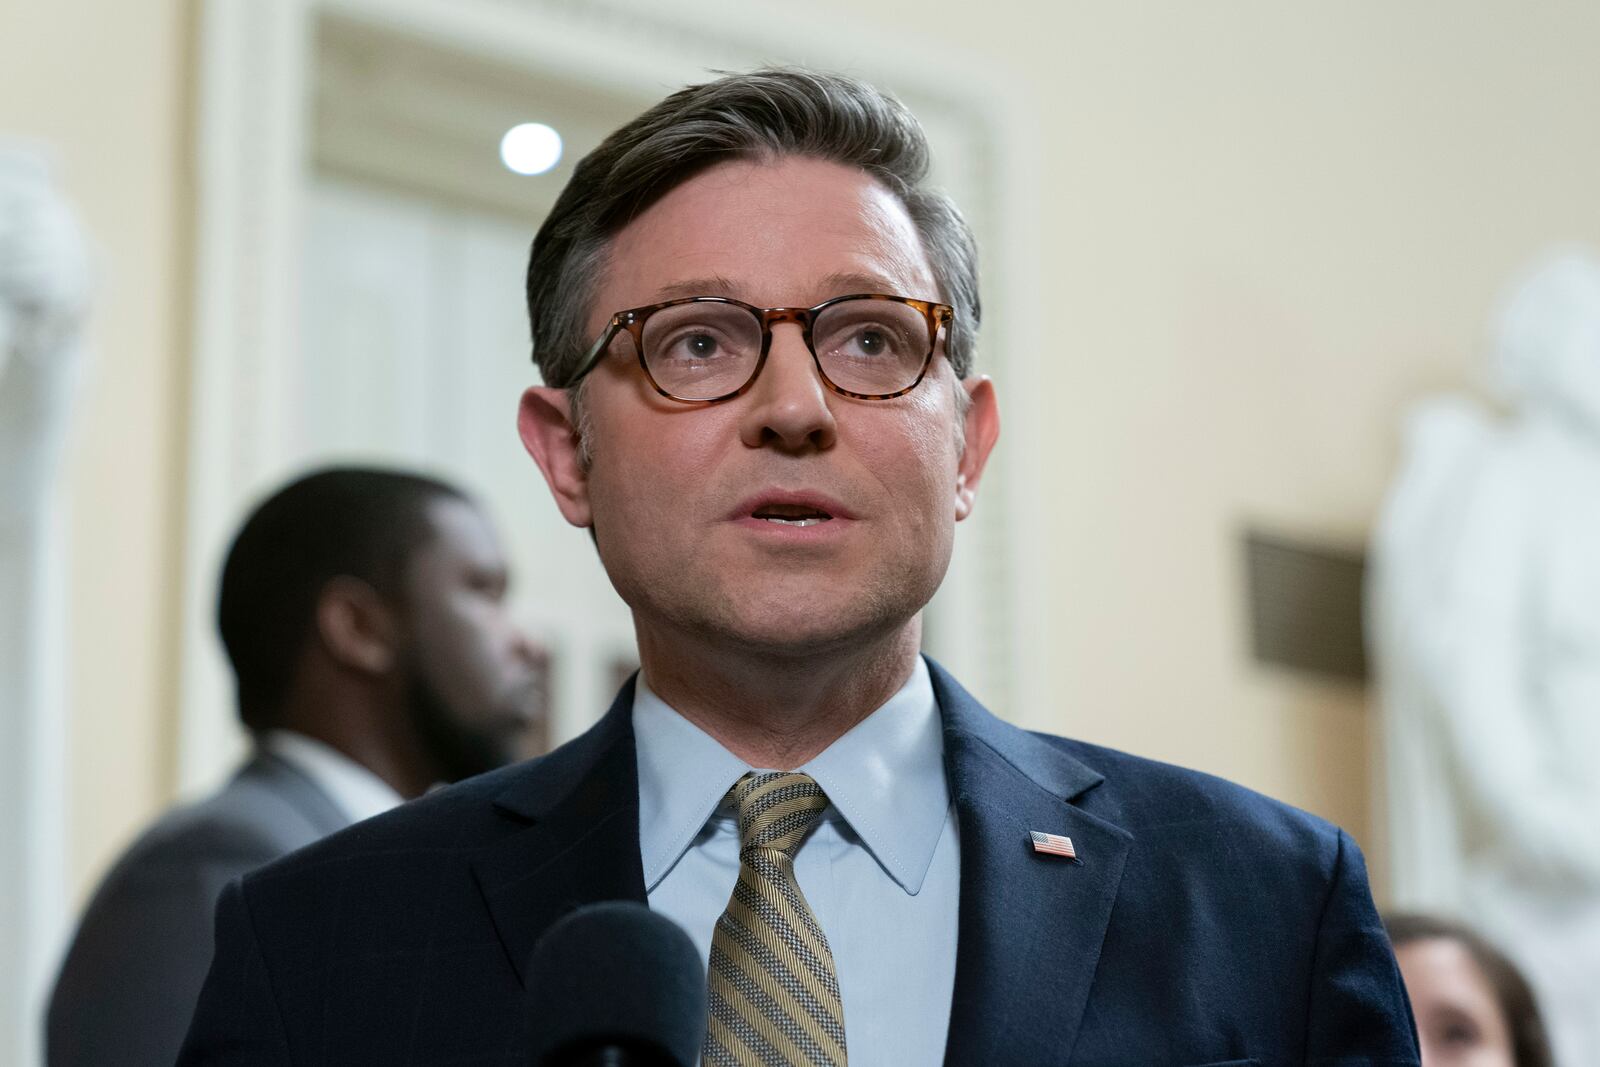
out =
column 839, row 283
column 713, row 285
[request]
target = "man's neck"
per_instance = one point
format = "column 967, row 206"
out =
column 778, row 709
column 367, row 726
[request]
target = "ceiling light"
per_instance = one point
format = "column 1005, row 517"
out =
column 530, row 148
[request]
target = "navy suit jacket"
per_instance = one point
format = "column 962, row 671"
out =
column 1202, row 923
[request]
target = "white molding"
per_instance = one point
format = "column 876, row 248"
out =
column 251, row 163
column 33, row 771
column 253, row 171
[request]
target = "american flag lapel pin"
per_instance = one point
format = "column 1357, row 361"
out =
column 1053, row 845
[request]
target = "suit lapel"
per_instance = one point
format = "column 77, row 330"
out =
column 1031, row 925
column 578, row 838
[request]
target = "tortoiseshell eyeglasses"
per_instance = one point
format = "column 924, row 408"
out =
column 702, row 349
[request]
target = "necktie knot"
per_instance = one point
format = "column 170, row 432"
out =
column 776, row 809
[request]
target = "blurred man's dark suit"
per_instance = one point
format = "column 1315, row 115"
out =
column 128, row 987
column 1202, row 924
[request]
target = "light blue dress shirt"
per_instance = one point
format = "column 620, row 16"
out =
column 881, row 871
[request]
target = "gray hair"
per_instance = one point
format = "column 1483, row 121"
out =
column 765, row 114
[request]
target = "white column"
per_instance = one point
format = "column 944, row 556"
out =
column 44, row 287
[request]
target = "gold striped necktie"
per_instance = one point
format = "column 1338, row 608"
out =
column 774, row 998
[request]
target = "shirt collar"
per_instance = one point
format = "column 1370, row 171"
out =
column 885, row 778
column 354, row 789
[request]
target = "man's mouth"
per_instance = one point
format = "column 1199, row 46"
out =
column 790, row 514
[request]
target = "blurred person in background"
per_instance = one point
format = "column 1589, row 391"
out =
column 364, row 615
column 1473, row 1007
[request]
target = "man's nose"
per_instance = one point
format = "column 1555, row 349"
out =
column 523, row 647
column 788, row 406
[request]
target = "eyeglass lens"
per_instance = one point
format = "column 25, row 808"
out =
column 699, row 351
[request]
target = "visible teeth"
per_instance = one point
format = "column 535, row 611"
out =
column 794, row 522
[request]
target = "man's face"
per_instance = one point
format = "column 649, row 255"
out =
column 472, row 682
column 687, row 502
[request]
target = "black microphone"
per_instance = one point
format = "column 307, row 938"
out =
column 616, row 985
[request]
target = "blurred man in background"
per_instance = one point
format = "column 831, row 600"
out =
column 364, row 615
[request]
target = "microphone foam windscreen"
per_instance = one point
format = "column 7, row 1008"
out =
column 617, row 974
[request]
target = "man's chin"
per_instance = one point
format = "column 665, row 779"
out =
column 801, row 631
column 772, row 612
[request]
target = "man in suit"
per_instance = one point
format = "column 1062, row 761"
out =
column 363, row 612
column 756, row 325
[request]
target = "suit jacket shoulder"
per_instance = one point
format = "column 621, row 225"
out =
column 133, row 972
column 404, row 938
column 1147, row 796
column 267, row 808
column 457, row 820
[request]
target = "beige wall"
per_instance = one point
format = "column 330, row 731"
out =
column 1267, row 227
column 105, row 85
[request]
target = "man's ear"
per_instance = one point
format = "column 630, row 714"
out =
column 982, row 431
column 356, row 626
column 544, row 422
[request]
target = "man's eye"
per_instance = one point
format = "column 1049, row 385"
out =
column 694, row 345
column 868, row 341
column 872, row 342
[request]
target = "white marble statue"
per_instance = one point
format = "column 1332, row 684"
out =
column 1484, row 612
column 44, row 296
